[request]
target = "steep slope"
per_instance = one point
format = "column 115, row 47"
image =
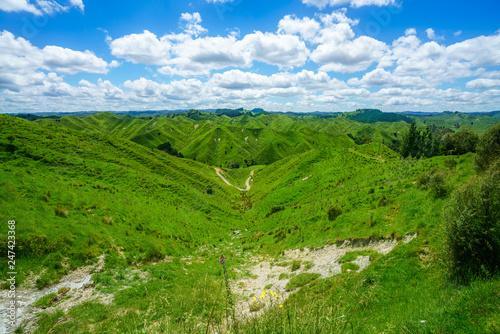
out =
column 248, row 139
column 77, row 194
column 373, row 188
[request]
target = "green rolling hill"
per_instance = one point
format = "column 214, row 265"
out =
column 248, row 139
column 80, row 188
column 87, row 192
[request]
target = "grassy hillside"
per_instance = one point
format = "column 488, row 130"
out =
column 80, row 194
column 476, row 122
column 80, row 188
column 248, row 139
column 374, row 189
column 375, row 115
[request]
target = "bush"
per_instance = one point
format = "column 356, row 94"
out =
column 472, row 222
column 435, row 180
column 383, row 201
column 155, row 252
column 450, row 163
column 334, row 212
column 209, row 190
column 60, row 211
column 488, row 148
column 167, row 148
column 438, row 185
column 460, row 142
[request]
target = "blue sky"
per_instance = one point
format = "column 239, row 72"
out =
column 300, row 55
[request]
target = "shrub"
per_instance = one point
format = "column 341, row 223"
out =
column 60, row 211
column 383, row 201
column 334, row 212
column 472, row 225
column 300, row 280
column 275, row 209
column 438, row 185
column 167, row 148
column 209, row 190
column 154, row 253
column 460, row 142
column 488, row 148
column 435, row 180
column 45, row 280
column 450, row 163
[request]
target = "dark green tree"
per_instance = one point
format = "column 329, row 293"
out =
column 166, row 147
column 408, row 147
column 419, row 143
column 460, row 142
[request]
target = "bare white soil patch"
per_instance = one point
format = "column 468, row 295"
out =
column 81, row 290
column 325, row 261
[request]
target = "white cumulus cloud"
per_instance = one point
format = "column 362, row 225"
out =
column 307, row 28
column 481, row 84
column 143, row 48
column 20, row 61
column 353, row 3
column 40, row 7
column 276, row 49
column 192, row 24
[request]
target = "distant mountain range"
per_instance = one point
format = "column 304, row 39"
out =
column 360, row 115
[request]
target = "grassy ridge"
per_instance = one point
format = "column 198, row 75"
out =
column 378, row 196
column 456, row 121
column 219, row 140
column 81, row 194
column 78, row 193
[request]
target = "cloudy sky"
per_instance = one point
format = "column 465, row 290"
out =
column 295, row 55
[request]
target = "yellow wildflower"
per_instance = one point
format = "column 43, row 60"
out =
column 254, row 298
column 281, row 306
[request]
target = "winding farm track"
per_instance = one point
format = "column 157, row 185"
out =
column 220, row 173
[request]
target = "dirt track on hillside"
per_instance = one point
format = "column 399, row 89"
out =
column 220, row 173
